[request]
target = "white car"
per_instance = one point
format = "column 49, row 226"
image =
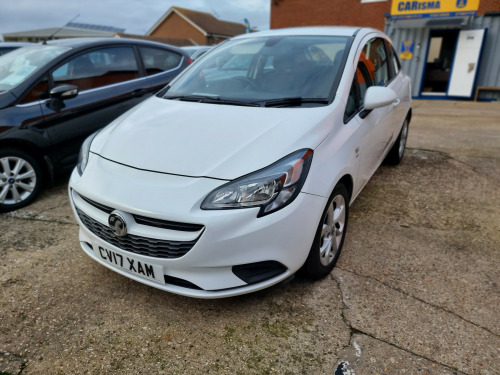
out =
column 230, row 182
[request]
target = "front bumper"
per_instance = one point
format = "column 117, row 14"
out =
column 204, row 254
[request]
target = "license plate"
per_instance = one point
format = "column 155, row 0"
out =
column 130, row 264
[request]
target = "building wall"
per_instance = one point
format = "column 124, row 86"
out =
column 489, row 70
column 488, row 6
column 290, row 13
column 177, row 27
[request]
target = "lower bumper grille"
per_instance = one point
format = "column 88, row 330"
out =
column 137, row 244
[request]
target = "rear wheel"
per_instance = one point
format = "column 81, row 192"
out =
column 20, row 179
column 330, row 235
column 397, row 151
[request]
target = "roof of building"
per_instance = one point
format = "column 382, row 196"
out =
column 64, row 32
column 89, row 26
column 205, row 22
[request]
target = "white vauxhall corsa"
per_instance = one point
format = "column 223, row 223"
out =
column 241, row 171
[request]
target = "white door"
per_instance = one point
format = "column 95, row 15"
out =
column 465, row 66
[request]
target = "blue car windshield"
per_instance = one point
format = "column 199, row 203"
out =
column 18, row 65
column 265, row 68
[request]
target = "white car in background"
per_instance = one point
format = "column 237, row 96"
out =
column 225, row 184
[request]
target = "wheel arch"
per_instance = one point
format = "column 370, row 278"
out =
column 35, row 152
column 348, row 181
column 409, row 114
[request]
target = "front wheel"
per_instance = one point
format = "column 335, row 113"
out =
column 330, row 235
column 20, row 179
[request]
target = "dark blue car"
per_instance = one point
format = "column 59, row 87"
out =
column 54, row 94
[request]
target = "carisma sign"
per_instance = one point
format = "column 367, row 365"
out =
column 429, row 8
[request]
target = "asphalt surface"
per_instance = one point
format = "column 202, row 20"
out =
column 416, row 289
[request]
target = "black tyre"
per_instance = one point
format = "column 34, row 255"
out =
column 397, row 151
column 20, row 179
column 329, row 239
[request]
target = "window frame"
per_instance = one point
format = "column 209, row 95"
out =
column 138, row 61
column 392, row 54
column 140, row 57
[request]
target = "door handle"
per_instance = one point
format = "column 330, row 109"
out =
column 396, row 102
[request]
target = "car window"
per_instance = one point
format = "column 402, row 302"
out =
column 17, row 66
column 266, row 68
column 98, row 68
column 352, row 105
column 157, row 60
column 396, row 65
column 376, row 61
column 38, row 92
column 6, row 50
column 364, row 77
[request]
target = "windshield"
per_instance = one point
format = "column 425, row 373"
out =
column 264, row 69
column 18, row 65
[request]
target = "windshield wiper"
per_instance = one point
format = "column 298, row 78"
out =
column 293, row 102
column 210, row 100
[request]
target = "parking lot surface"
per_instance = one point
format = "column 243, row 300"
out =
column 416, row 289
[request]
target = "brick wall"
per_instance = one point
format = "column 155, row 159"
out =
column 289, row 13
column 177, row 27
column 488, row 6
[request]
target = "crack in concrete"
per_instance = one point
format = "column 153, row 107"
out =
column 344, row 307
column 456, row 370
column 420, row 300
column 53, row 208
column 35, row 218
column 20, row 358
column 353, row 331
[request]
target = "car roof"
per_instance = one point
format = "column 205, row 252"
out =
column 90, row 42
column 14, row 44
column 194, row 48
column 314, row 30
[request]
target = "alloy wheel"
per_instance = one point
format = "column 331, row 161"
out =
column 333, row 230
column 17, row 180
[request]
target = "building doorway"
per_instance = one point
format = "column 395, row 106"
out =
column 452, row 62
column 439, row 60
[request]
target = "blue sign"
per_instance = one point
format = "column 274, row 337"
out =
column 247, row 26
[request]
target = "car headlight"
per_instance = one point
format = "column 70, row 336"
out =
column 83, row 155
column 271, row 188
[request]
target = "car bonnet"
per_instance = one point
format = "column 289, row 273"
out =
column 209, row 140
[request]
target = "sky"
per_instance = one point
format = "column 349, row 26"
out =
column 135, row 16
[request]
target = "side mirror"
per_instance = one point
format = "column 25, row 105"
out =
column 378, row 96
column 63, row 92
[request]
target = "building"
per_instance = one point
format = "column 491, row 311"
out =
column 292, row 13
column 70, row 30
column 450, row 48
column 200, row 27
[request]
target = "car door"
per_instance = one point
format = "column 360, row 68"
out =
column 400, row 87
column 373, row 125
column 108, row 79
column 378, row 63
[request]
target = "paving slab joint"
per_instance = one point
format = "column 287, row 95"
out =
column 342, row 311
column 418, row 299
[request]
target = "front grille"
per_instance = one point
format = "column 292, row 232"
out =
column 99, row 206
column 152, row 222
column 137, row 244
